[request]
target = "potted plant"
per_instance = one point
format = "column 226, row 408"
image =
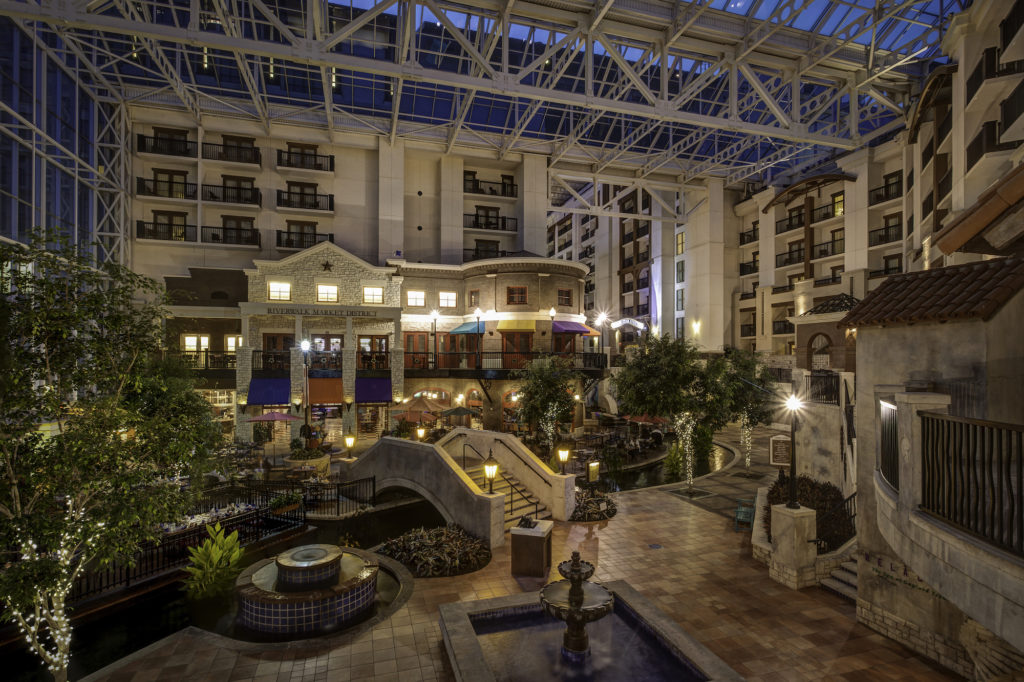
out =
column 211, row 573
column 285, row 503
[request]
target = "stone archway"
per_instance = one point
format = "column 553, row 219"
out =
column 819, row 351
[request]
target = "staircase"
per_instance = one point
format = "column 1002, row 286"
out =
column 519, row 501
column 843, row 581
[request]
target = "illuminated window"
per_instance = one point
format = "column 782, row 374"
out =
column 415, row 298
column 373, row 294
column 196, row 342
column 279, row 291
column 446, row 299
column 327, row 293
column 680, row 243
column 232, row 343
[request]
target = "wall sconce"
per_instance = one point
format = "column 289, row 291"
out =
column 297, row 402
column 459, row 398
column 242, row 401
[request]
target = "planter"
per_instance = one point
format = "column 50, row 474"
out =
column 285, row 509
column 321, row 465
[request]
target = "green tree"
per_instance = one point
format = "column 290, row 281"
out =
column 92, row 422
column 750, row 388
column 546, row 390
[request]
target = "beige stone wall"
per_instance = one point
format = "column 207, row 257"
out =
column 305, row 270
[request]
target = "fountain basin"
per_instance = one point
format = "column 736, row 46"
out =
column 512, row 639
column 295, row 593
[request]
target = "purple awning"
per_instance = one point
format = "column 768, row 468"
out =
column 269, row 391
column 563, row 327
column 373, row 390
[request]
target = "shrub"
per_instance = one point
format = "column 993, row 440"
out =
column 286, row 500
column 592, row 505
column 445, row 551
column 214, row 564
column 820, row 496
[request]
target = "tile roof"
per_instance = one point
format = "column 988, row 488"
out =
column 973, row 290
column 839, row 303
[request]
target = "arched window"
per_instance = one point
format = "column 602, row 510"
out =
column 819, row 352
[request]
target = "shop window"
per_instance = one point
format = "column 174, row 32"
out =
column 373, row 294
column 279, row 291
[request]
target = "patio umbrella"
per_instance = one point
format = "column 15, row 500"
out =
column 414, row 415
column 460, row 411
column 274, row 417
column 423, row 404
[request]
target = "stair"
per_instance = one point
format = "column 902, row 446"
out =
column 843, row 581
column 520, row 507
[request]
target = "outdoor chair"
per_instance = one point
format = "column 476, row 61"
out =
column 744, row 515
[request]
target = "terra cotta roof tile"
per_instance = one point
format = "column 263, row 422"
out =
column 972, row 290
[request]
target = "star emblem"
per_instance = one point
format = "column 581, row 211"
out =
column 327, row 265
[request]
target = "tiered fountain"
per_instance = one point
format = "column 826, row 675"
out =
column 576, row 601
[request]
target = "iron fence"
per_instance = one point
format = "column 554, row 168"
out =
column 823, row 387
column 888, row 449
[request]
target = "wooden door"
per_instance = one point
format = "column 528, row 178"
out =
column 416, row 355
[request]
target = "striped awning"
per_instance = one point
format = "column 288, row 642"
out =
column 326, row 391
column 517, row 325
column 469, row 328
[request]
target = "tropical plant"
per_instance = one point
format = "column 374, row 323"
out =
column 545, row 394
column 593, row 505
column 92, row 425
column 214, row 565
column 262, row 432
column 445, row 551
column 286, row 500
column 404, row 429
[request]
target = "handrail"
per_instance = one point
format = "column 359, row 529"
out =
column 511, row 498
column 520, row 458
column 849, row 506
column 470, row 446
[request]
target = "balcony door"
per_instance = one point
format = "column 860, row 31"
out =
column 416, row 353
column 169, row 183
column 169, row 226
column 373, row 352
column 487, row 217
column 516, row 347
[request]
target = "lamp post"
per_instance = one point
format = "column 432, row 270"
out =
column 433, row 321
column 563, row 457
column 490, row 471
column 350, row 442
column 793, row 404
column 551, row 314
column 305, row 346
column 420, row 432
column 600, row 322
column 479, row 335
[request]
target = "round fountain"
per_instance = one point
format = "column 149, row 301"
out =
column 576, row 601
column 308, row 589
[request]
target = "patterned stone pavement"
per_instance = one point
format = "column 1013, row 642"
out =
column 682, row 555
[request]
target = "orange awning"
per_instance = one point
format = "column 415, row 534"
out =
column 328, row 391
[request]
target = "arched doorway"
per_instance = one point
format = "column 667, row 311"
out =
column 819, row 352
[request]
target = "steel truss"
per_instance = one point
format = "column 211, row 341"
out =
column 669, row 91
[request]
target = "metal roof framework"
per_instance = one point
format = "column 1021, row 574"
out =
column 648, row 90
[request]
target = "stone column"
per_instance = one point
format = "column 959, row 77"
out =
column 298, row 384
column 348, row 377
column 243, row 374
column 910, row 440
column 793, row 555
column 397, row 359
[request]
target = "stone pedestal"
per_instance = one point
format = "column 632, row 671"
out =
column 793, row 553
column 531, row 549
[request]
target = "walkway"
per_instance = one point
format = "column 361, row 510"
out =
column 682, row 555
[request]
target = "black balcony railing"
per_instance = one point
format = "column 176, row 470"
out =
column 780, row 375
column 627, row 287
column 312, row 202
column 205, row 359
column 494, row 189
column 1010, row 26
column 826, row 281
column 627, row 238
column 885, row 235
column 747, row 294
column 241, row 236
column 373, row 360
column 271, row 360
column 749, row 236
column 945, row 185
column 782, row 327
column 304, row 160
column 489, row 222
column 986, row 142
column 643, row 231
column 888, row 191
column 748, row 330
column 945, row 127
column 782, row 288
column 888, row 447
column 789, row 258
column 790, row 223
column 927, row 205
column 232, row 195
column 165, row 188
column 748, row 268
column 488, row 360
column 822, row 386
column 971, row 473
column 164, row 232
column 325, row 359
column 884, row 272
column 232, row 152
column 627, row 262
column 643, row 309
column 627, row 311
column 302, row 240
column 642, row 283
column 825, row 212
column 826, row 249
column 164, row 145
column 643, row 257
column 480, row 254
column 927, row 153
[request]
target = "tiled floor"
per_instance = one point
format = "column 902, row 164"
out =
column 682, row 555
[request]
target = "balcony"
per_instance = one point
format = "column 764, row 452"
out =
column 627, row 238
column 748, row 268
column 565, row 229
column 232, row 153
column 1010, row 110
column 627, row 287
column 885, row 272
column 885, row 235
column 643, row 309
column 782, row 289
column 887, row 192
column 643, row 257
column 827, row 249
column 795, row 257
column 927, row 205
column 989, row 80
column 304, row 201
column 822, row 387
column 1010, row 37
column 325, row 360
column 164, row 232
column 945, row 185
column 301, row 240
column 643, row 231
column 204, row 359
column 271, row 362
column 627, row 262
column 146, row 187
column 790, row 223
column 232, row 195
column 987, row 142
column 747, row 330
column 747, row 294
column 927, row 153
column 373, row 360
column 782, row 327
column 146, row 144
column 749, row 236
column 643, row 283
column 827, row 281
column 305, row 161
column 487, row 362
column 234, row 236
column 826, row 212
column 482, row 254
column 476, row 221
column 944, row 129
column 627, row 311
column 493, row 189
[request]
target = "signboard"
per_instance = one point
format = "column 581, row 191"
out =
column 630, row 321
column 594, row 472
column 780, row 452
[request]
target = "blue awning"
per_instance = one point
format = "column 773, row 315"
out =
column 269, row 391
column 469, row 328
column 373, row 390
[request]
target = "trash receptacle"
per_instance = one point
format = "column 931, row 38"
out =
column 531, row 549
